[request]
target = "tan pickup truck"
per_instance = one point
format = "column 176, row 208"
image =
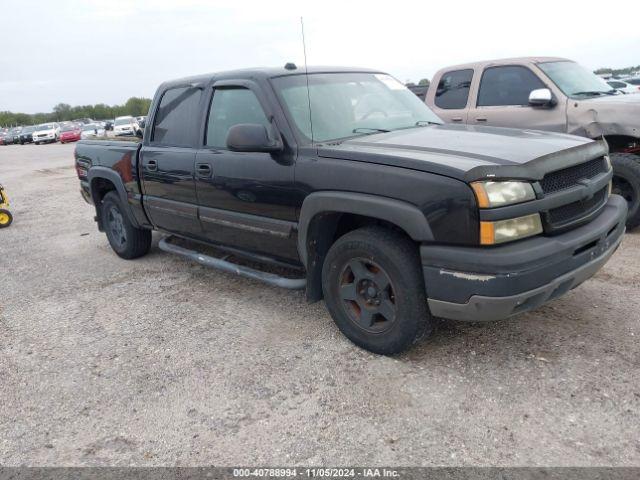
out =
column 546, row 93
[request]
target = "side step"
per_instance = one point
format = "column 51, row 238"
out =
column 226, row 266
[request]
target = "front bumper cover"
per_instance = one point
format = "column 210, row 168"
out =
column 482, row 284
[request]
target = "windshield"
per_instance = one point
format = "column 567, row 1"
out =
column 46, row 126
column 574, row 80
column 69, row 128
column 124, row 121
column 89, row 126
column 350, row 104
column 29, row 129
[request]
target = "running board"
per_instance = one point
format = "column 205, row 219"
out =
column 226, row 266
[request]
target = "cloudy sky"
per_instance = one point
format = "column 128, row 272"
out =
column 85, row 52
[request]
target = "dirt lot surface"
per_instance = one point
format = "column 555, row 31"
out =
column 159, row 361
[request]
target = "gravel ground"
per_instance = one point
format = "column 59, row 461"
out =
column 162, row 362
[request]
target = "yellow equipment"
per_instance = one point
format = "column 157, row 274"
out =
column 5, row 215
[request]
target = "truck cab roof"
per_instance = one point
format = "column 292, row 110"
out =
column 260, row 73
column 507, row 61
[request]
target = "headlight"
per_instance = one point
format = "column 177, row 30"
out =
column 502, row 231
column 498, row 194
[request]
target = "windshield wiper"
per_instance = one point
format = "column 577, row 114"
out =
column 596, row 92
column 369, row 130
column 422, row 123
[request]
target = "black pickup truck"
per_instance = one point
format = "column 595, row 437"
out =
column 391, row 216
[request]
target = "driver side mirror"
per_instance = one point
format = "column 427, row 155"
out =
column 251, row 137
column 541, row 97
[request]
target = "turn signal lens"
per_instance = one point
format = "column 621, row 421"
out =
column 492, row 233
column 498, row 194
column 487, row 233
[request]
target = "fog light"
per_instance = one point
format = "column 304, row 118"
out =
column 502, row 231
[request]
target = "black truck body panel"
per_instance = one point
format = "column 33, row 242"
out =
column 417, row 180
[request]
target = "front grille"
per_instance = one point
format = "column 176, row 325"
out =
column 560, row 216
column 569, row 177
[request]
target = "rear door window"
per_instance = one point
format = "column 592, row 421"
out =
column 453, row 89
column 176, row 120
column 508, row 85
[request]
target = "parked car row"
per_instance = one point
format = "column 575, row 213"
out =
column 83, row 128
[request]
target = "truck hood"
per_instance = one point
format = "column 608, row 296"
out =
column 606, row 115
column 468, row 152
column 613, row 100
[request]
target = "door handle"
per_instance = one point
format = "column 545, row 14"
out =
column 203, row 170
column 456, row 119
column 152, row 165
column 481, row 119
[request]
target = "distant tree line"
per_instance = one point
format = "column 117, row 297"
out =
column 617, row 71
column 135, row 106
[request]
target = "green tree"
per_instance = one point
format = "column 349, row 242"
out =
column 137, row 106
column 62, row 111
column 424, row 82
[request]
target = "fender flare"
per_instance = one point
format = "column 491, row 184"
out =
column 113, row 177
column 403, row 214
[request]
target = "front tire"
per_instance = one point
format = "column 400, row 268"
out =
column 626, row 183
column 126, row 240
column 373, row 287
column 5, row 218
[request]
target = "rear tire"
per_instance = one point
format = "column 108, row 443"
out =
column 5, row 218
column 126, row 240
column 374, row 289
column 626, row 183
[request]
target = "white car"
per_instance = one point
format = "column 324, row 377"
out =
column 92, row 130
column 45, row 133
column 623, row 87
column 125, row 126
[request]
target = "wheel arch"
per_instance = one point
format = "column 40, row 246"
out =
column 325, row 216
column 103, row 180
column 618, row 143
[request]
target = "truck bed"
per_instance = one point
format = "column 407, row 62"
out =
column 115, row 161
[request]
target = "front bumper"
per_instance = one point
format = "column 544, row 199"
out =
column 44, row 138
column 482, row 284
column 123, row 132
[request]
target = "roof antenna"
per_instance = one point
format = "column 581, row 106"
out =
column 306, row 74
